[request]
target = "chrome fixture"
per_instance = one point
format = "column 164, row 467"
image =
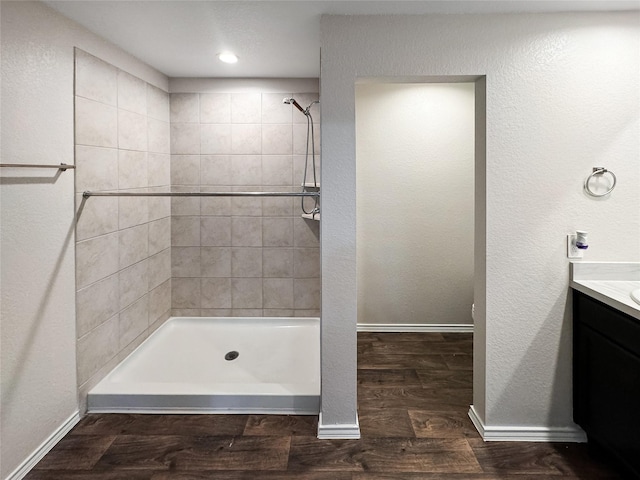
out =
column 62, row 166
column 310, row 146
column 88, row 194
column 599, row 172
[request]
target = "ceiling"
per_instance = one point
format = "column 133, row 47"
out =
column 271, row 38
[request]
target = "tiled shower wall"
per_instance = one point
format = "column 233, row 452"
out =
column 235, row 257
column 241, row 256
column 123, row 254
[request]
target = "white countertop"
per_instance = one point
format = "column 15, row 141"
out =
column 609, row 282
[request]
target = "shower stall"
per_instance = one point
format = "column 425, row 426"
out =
column 197, row 250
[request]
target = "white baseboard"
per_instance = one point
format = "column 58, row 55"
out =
column 44, row 448
column 338, row 431
column 526, row 433
column 411, row 327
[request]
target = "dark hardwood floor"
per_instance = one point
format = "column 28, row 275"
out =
column 414, row 392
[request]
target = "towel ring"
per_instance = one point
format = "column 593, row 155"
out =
column 599, row 171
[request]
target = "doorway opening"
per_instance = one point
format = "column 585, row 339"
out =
column 420, row 162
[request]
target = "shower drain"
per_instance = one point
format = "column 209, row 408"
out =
column 231, row 355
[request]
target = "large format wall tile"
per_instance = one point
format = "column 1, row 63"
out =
column 216, row 293
column 96, row 259
column 274, row 110
column 306, row 293
column 246, row 108
column 185, row 231
column 123, row 255
column 277, row 262
column 185, row 108
column 306, row 263
column 246, row 292
column 95, row 79
column 158, row 169
column 95, row 216
column 132, row 211
column 246, row 139
column 215, row 108
column 96, row 123
column 278, row 292
column 215, row 231
column 246, row 262
column 133, row 244
column 96, row 348
column 246, row 206
column 246, row 231
column 306, row 233
column 134, row 283
column 185, row 293
column 132, row 169
column 277, row 140
column 159, row 268
column 215, row 261
column 132, row 93
column 96, row 168
column 215, row 139
column 187, row 205
column 159, row 235
column 246, row 170
column 185, row 170
column 277, row 170
column 157, row 104
column 253, row 253
column 159, row 301
column 133, row 321
column 215, row 170
column 96, row 304
column 159, row 207
column 185, row 138
column 280, row 206
column 277, row 232
column 158, row 136
column 217, row 206
column 185, row 262
column 132, row 131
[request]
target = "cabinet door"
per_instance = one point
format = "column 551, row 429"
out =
column 607, row 394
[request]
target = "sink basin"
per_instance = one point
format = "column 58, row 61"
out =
column 635, row 295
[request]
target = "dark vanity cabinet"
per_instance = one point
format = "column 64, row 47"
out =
column 606, row 379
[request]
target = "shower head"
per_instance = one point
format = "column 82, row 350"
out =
column 292, row 101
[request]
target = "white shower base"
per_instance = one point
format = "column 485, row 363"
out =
column 181, row 368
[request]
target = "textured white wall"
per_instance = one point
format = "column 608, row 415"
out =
column 562, row 95
column 37, row 235
column 415, row 184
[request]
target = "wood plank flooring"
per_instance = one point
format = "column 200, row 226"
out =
column 414, row 392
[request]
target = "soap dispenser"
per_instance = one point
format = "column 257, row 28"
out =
column 577, row 244
column 581, row 239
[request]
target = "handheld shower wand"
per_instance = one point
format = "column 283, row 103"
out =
column 292, row 101
column 311, row 152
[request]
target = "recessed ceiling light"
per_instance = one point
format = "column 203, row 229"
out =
column 227, row 57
